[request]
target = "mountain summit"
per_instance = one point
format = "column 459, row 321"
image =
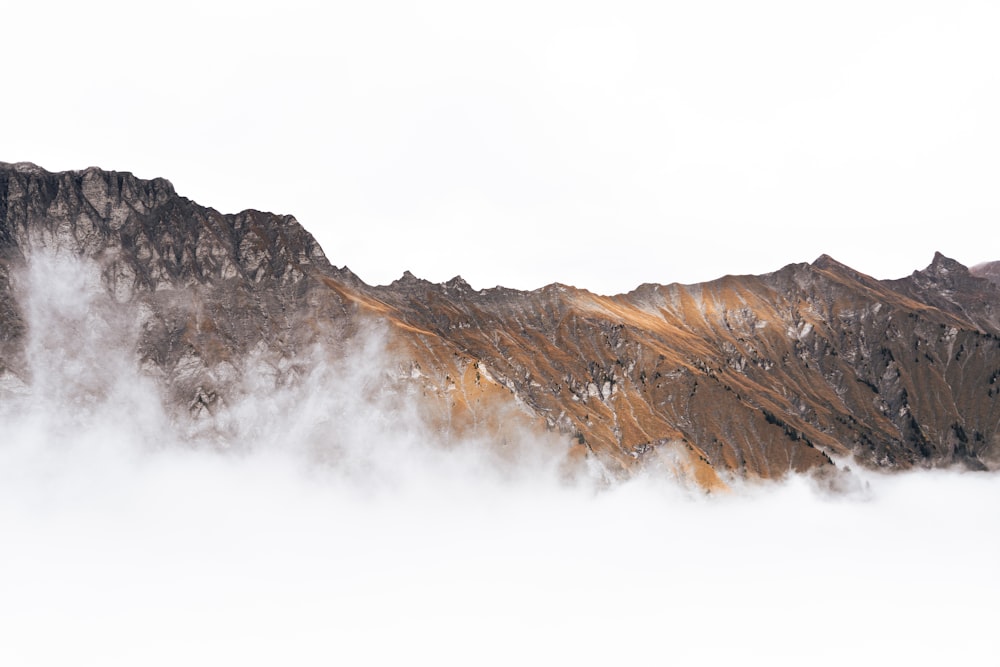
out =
column 741, row 376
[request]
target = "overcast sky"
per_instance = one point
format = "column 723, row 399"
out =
column 601, row 145
column 517, row 143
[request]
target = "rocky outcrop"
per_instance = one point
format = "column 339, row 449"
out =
column 749, row 375
column 756, row 374
column 208, row 287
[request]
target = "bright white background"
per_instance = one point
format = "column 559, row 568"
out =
column 595, row 144
column 514, row 143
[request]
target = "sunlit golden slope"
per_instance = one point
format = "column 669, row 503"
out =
column 755, row 375
column 746, row 376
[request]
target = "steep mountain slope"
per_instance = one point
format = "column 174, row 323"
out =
column 751, row 375
column 758, row 374
column 209, row 286
column 988, row 270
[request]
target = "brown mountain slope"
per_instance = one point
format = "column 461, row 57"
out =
column 752, row 375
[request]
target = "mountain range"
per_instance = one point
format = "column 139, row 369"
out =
column 740, row 377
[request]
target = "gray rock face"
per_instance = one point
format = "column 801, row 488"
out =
column 752, row 375
column 207, row 287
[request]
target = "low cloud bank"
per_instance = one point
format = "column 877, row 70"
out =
column 325, row 523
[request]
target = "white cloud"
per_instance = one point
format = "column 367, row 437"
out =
column 335, row 527
column 518, row 145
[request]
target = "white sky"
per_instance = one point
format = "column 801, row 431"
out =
column 520, row 144
column 601, row 145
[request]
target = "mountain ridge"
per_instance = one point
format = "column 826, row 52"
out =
column 743, row 375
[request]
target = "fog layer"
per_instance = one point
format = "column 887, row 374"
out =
column 324, row 522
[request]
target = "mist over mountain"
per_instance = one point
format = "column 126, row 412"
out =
column 218, row 447
column 744, row 376
column 988, row 270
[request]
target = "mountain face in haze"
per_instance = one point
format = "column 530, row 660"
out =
column 747, row 376
column 988, row 270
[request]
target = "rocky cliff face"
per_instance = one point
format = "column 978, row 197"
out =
column 751, row 375
column 208, row 288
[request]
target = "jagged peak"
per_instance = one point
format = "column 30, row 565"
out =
column 346, row 274
column 561, row 287
column 458, row 284
column 408, row 279
column 825, row 263
column 830, row 265
column 943, row 265
column 942, row 270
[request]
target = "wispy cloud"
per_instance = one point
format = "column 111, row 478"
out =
column 323, row 520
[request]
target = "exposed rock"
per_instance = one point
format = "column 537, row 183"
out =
column 208, row 287
column 750, row 375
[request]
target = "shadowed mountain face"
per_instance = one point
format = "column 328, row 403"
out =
column 750, row 375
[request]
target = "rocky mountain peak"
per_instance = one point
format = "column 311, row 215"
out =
column 945, row 275
column 942, row 268
column 950, row 287
column 458, row 284
column 825, row 263
column 745, row 375
column 146, row 235
column 410, row 281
